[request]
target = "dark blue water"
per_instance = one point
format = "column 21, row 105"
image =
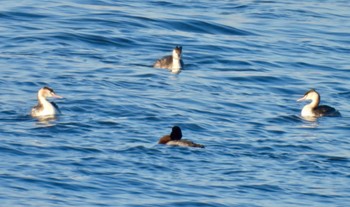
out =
column 246, row 64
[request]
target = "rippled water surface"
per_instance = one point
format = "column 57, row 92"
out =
column 246, row 64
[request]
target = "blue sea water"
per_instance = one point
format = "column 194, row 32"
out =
column 246, row 64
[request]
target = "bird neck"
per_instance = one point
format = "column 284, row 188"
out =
column 176, row 67
column 308, row 110
column 43, row 101
column 315, row 102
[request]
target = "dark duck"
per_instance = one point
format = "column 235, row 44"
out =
column 175, row 139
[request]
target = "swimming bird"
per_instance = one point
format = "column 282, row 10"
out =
column 174, row 139
column 44, row 107
column 313, row 109
column 172, row 62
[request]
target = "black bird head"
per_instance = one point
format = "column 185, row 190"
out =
column 176, row 133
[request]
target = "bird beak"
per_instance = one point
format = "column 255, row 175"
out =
column 56, row 96
column 302, row 99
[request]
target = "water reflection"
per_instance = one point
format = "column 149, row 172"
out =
column 46, row 121
column 309, row 122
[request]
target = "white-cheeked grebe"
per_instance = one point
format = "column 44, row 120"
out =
column 44, row 107
column 174, row 139
column 172, row 62
column 313, row 109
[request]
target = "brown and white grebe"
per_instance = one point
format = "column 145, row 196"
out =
column 44, row 107
column 174, row 139
column 313, row 109
column 172, row 62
